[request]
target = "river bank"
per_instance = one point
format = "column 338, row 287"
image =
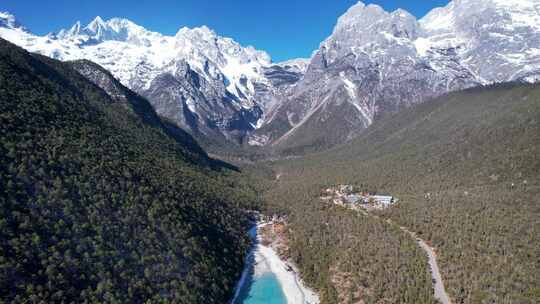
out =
column 264, row 260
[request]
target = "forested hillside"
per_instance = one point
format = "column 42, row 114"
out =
column 466, row 168
column 98, row 205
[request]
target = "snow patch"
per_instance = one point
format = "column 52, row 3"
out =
column 422, row 45
column 350, row 87
column 191, row 105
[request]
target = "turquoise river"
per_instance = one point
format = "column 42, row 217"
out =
column 264, row 289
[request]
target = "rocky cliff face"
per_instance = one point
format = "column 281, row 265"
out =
column 135, row 104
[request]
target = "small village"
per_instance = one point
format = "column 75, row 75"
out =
column 347, row 196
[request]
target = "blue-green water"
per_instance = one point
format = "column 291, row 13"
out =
column 264, row 289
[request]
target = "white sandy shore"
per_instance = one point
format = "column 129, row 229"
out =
column 293, row 288
column 266, row 259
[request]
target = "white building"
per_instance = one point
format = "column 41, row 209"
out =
column 383, row 199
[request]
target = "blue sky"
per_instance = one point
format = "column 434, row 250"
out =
column 284, row 28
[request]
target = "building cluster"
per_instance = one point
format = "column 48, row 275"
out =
column 347, row 196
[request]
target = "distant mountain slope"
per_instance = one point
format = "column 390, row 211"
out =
column 202, row 82
column 466, row 169
column 376, row 63
column 494, row 129
column 138, row 105
column 98, row 204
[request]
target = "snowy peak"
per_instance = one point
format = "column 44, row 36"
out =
column 495, row 40
column 214, row 57
column 115, row 29
column 439, row 19
column 211, row 77
column 511, row 13
column 73, row 31
column 203, row 32
column 99, row 30
column 363, row 24
column 377, row 62
column 360, row 14
column 219, row 49
column 298, row 65
column 96, row 25
column 9, row 21
column 362, row 17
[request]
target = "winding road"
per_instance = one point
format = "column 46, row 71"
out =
column 439, row 290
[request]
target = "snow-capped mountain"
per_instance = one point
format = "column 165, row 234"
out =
column 201, row 81
column 373, row 64
column 377, row 62
column 8, row 21
column 497, row 40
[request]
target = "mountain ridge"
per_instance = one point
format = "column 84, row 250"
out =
column 377, row 62
column 374, row 63
column 213, row 76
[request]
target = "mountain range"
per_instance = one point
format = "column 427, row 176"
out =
column 375, row 63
